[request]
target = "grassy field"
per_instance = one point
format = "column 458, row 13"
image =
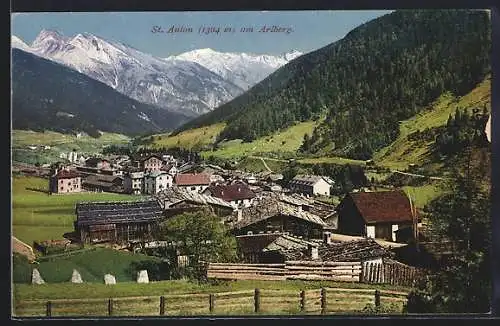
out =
column 190, row 138
column 186, row 298
column 59, row 143
column 92, row 264
column 403, row 152
column 282, row 143
column 422, row 195
column 38, row 216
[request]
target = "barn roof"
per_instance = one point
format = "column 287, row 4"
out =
column 383, row 206
column 269, row 207
column 272, row 242
column 235, row 191
column 117, row 212
column 191, row 179
column 356, row 250
column 307, row 180
column 173, row 195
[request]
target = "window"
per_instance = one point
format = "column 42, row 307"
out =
column 62, row 188
column 193, row 188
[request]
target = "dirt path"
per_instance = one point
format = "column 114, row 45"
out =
column 417, row 175
column 22, row 248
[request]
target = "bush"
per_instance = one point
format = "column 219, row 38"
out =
column 157, row 271
column 21, row 269
column 382, row 309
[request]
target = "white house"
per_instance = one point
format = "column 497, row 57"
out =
column 133, row 182
column 156, row 181
column 170, row 168
column 312, row 185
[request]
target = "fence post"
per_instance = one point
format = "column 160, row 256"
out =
column 162, row 305
column 302, row 301
column 211, row 302
column 49, row 309
column 110, row 307
column 256, row 299
column 362, row 273
column 377, row 298
column 323, row 301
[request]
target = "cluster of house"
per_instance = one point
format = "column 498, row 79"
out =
column 269, row 225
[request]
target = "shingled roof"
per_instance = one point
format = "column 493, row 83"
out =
column 383, row 206
column 356, row 250
column 307, row 180
column 117, row 212
column 67, row 174
column 173, row 195
column 235, row 191
column 269, row 207
column 191, row 179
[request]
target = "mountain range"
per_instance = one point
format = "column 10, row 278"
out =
column 242, row 69
column 192, row 83
column 49, row 96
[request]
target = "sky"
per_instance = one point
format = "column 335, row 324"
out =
column 307, row 30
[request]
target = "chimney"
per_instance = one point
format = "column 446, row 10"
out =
column 327, row 237
column 313, row 252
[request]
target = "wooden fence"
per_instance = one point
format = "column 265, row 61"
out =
column 388, row 272
column 301, row 270
column 247, row 302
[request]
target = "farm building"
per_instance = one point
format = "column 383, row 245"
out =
column 176, row 201
column 103, row 183
column 375, row 214
column 273, row 247
column 271, row 215
column 195, row 182
column 238, row 194
column 117, row 222
column 156, row 181
column 311, row 185
column 65, row 181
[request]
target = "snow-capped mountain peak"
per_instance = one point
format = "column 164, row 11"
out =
column 243, row 69
column 16, row 42
column 177, row 86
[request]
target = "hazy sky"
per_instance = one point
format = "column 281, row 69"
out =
column 310, row 29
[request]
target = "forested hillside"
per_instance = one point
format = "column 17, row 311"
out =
column 382, row 72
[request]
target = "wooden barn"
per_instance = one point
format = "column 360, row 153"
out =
column 271, row 215
column 375, row 214
column 117, row 222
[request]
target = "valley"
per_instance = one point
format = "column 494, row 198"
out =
column 255, row 183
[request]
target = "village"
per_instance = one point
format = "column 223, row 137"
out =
column 273, row 222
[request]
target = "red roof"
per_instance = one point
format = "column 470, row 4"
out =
column 383, row 206
column 235, row 191
column 189, row 179
column 65, row 174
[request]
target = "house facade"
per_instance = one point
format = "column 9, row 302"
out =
column 375, row 214
column 195, row 182
column 157, row 181
column 311, row 185
column 65, row 181
column 133, row 182
column 151, row 163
